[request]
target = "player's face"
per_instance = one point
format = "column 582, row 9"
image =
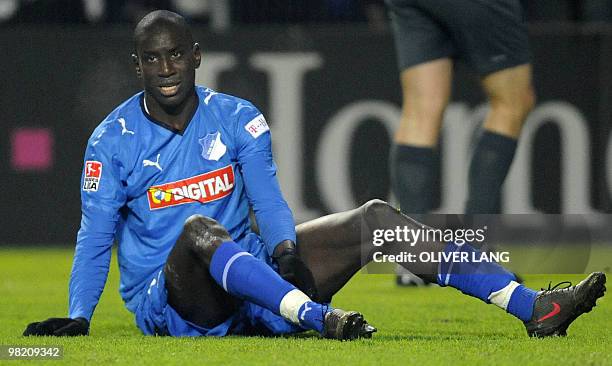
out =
column 167, row 62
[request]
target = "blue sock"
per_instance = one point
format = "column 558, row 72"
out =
column 521, row 303
column 312, row 315
column 250, row 279
column 480, row 279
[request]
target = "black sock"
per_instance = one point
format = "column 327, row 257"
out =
column 413, row 172
column 488, row 169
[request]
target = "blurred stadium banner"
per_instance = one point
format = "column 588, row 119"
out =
column 332, row 98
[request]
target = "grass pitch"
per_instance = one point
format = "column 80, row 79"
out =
column 416, row 326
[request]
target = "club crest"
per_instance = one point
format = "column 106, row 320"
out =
column 212, row 146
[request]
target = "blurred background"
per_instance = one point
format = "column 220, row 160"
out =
column 324, row 73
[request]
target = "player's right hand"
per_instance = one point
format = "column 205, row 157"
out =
column 293, row 270
column 58, row 327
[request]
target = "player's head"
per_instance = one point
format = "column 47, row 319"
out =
column 166, row 57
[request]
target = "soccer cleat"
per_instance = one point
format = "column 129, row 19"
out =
column 555, row 309
column 346, row 325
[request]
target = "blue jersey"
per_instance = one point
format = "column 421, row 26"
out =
column 142, row 179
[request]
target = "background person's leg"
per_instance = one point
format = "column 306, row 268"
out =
column 424, row 51
column 511, row 97
column 414, row 158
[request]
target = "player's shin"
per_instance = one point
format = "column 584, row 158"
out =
column 249, row 278
column 485, row 280
column 488, row 169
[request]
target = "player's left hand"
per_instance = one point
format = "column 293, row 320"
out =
column 293, row 270
column 58, row 327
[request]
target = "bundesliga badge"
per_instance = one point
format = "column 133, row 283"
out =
column 212, row 146
column 93, row 172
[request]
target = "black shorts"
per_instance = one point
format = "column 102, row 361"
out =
column 488, row 35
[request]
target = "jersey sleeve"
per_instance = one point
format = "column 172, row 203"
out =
column 273, row 215
column 102, row 195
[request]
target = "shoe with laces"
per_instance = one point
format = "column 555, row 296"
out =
column 346, row 325
column 556, row 308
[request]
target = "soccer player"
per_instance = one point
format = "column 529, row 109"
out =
column 490, row 36
column 171, row 174
column 157, row 170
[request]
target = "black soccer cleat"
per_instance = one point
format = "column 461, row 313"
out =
column 555, row 309
column 346, row 325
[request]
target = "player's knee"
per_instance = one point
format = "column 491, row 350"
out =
column 515, row 104
column 204, row 234
column 375, row 209
column 529, row 100
column 525, row 102
column 425, row 110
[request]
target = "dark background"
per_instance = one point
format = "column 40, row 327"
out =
column 69, row 77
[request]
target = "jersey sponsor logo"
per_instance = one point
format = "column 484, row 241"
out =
column 93, row 173
column 202, row 188
column 212, row 146
column 257, row 126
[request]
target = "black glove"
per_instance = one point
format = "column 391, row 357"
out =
column 58, row 327
column 293, row 270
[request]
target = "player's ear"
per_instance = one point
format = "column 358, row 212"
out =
column 197, row 54
column 136, row 65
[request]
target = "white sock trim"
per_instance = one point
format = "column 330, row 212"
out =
column 227, row 266
column 291, row 304
column 501, row 298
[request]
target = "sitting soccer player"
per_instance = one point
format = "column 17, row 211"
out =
column 171, row 174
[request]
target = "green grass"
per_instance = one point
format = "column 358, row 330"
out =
column 416, row 326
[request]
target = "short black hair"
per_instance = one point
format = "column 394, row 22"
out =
column 158, row 19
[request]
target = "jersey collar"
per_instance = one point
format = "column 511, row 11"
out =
column 145, row 112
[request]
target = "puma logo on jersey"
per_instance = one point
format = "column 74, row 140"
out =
column 210, row 94
column 124, row 129
column 202, row 188
column 155, row 163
